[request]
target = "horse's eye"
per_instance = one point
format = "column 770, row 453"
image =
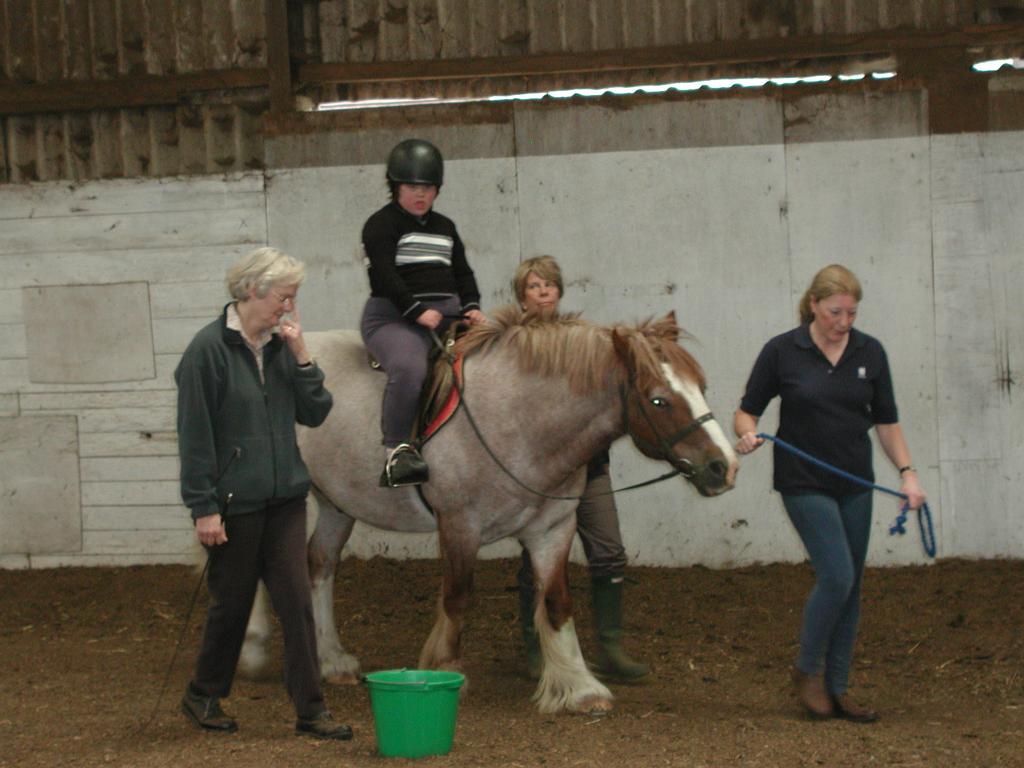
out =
column 659, row 402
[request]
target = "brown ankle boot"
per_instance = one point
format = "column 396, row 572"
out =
column 847, row 709
column 811, row 693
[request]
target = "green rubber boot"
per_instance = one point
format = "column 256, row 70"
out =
column 613, row 661
column 531, row 642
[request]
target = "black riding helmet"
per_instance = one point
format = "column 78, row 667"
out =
column 415, row 161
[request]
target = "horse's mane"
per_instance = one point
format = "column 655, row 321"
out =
column 566, row 345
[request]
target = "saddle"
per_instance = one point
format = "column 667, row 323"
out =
column 439, row 398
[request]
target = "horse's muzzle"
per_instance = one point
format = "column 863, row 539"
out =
column 713, row 478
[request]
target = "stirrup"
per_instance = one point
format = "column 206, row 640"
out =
column 404, row 466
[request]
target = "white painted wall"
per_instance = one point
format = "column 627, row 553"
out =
column 978, row 234
column 730, row 243
column 727, row 234
column 175, row 236
column 714, row 252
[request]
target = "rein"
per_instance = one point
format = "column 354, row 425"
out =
column 924, row 514
column 665, row 447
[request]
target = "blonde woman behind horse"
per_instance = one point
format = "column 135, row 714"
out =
column 538, row 288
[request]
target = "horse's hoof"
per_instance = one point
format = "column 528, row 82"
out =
column 257, row 671
column 343, row 678
column 595, row 706
column 340, row 668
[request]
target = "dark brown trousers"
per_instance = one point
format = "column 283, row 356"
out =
column 268, row 545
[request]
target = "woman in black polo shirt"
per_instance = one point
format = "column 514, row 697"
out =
column 834, row 386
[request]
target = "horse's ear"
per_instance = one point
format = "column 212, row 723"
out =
column 671, row 326
column 623, row 349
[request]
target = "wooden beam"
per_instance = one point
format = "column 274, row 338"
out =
column 695, row 54
column 137, row 91
column 958, row 98
column 278, row 56
column 155, row 90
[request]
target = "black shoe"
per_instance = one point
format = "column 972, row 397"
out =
column 323, row 726
column 404, row 466
column 205, row 712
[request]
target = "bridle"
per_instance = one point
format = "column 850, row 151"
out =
column 664, row 447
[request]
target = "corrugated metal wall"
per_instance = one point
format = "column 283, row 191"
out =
column 89, row 41
column 396, row 30
column 410, row 30
column 46, row 41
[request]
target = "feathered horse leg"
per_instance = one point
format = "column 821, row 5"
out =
column 566, row 683
column 333, row 528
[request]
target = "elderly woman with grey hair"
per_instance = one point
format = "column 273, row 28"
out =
column 243, row 383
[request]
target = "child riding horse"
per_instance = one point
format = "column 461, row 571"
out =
column 419, row 281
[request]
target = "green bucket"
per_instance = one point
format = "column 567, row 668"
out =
column 414, row 710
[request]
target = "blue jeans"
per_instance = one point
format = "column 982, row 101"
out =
column 835, row 532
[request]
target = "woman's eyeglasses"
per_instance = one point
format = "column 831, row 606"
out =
column 282, row 298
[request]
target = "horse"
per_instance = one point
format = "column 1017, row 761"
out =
column 545, row 396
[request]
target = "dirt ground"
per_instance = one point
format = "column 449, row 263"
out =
column 84, row 653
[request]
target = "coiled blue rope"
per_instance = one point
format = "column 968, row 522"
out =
column 924, row 514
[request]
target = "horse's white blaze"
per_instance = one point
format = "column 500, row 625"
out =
column 691, row 393
column 565, row 682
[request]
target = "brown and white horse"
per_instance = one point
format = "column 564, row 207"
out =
column 546, row 395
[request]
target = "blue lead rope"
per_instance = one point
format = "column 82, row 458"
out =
column 924, row 514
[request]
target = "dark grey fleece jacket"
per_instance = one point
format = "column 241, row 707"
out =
column 236, row 435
